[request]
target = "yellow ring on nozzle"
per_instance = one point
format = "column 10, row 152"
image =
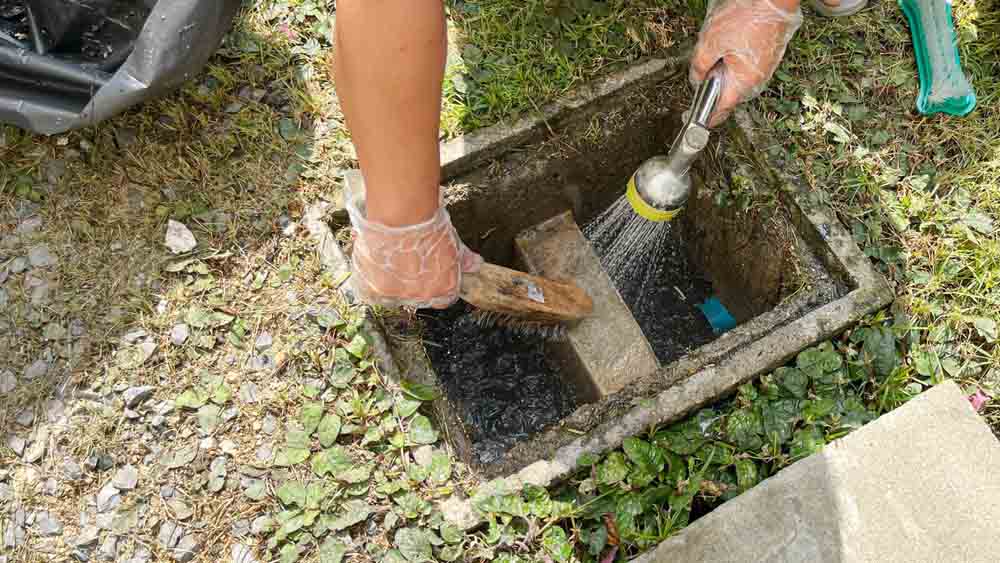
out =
column 645, row 210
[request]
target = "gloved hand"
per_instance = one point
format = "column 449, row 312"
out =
column 750, row 36
column 415, row 266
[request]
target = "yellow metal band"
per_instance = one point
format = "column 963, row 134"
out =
column 646, row 210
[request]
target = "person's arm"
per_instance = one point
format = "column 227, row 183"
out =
column 750, row 36
column 389, row 66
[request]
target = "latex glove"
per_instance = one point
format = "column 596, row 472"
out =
column 750, row 36
column 415, row 266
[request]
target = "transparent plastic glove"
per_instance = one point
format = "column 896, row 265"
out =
column 750, row 36
column 415, row 266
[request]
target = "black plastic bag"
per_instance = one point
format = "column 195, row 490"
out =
column 66, row 64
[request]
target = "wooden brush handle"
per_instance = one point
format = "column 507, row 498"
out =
column 524, row 296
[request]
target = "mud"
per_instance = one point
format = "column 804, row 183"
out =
column 502, row 385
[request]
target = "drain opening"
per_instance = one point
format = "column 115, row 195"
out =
column 505, row 387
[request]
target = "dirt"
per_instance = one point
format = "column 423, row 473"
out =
column 666, row 308
column 502, row 384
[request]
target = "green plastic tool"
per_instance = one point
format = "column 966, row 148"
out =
column 944, row 88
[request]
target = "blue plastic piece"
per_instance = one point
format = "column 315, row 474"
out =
column 718, row 316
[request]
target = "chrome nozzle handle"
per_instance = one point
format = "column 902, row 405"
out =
column 707, row 96
column 694, row 135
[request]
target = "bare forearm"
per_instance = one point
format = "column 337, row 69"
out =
column 389, row 65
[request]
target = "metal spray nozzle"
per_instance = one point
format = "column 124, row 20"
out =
column 661, row 186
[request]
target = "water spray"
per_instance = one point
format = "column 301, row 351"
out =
column 661, row 186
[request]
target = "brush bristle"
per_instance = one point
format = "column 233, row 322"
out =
column 520, row 327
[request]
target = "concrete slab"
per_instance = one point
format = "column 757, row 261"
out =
column 609, row 345
column 920, row 484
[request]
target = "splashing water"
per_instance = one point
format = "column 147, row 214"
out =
column 631, row 249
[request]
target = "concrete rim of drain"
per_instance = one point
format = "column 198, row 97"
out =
column 757, row 355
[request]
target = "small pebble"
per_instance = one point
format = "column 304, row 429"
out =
column 72, row 470
column 50, row 487
column 87, row 537
column 126, row 478
column 241, row 528
column 18, row 265
column 8, row 382
column 170, row 533
column 108, row 498
column 125, row 137
column 134, row 335
column 186, row 549
column 99, row 462
column 242, row 554
column 179, row 334
column 109, row 549
column 269, row 425
column 16, row 444
column 229, row 447
column 77, row 328
column 55, row 410
column 264, row 341
column 261, row 362
column 48, row 524
column 134, row 396
column 40, row 256
column 181, row 510
column 208, row 443
column 179, row 238
column 37, row 369
column 25, row 417
column 249, row 392
column 260, row 524
column 29, row 225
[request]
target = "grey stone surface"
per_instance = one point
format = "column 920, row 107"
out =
column 920, row 484
column 72, row 470
column 25, row 417
column 608, row 346
column 249, row 392
column 8, row 381
column 40, row 256
column 170, row 533
column 264, row 341
column 134, row 396
column 16, row 444
column 36, row 450
column 126, row 478
column 108, row 498
column 48, row 524
column 87, row 537
column 186, row 549
column 242, row 554
column 179, row 334
column 109, row 549
column 37, row 369
column 179, row 238
column 18, row 265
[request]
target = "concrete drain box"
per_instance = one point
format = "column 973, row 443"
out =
column 751, row 236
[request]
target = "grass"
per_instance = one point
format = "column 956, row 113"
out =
column 920, row 194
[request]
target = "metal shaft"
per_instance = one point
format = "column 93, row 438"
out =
column 694, row 135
